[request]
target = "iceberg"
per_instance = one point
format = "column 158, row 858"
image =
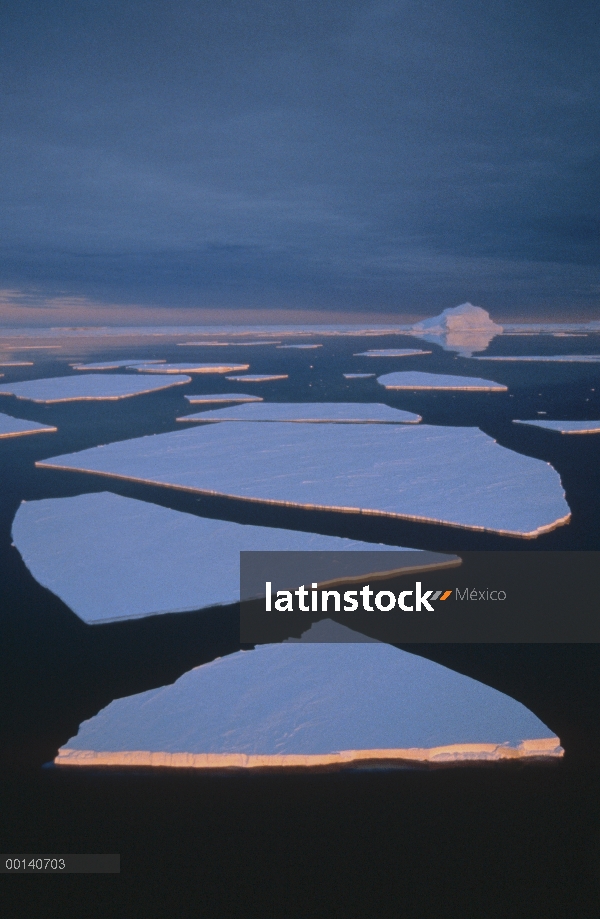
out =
column 566, row 427
column 259, row 377
column 465, row 328
column 560, row 358
column 313, row 703
column 222, row 397
column 416, row 380
column 323, row 412
column 457, row 476
column 16, row 427
column 92, row 386
column 391, row 352
column 358, row 376
column 111, row 558
column 188, row 368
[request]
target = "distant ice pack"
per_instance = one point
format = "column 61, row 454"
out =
column 90, row 386
column 413, row 379
column 16, row 427
column 566, row 427
column 312, row 703
column 545, row 358
column 111, row 558
column 340, row 412
column 452, row 475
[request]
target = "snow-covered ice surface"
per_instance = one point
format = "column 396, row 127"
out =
column 566, row 427
column 259, row 377
column 15, row 427
column 341, row 412
column 222, row 397
column 89, row 386
column 312, row 703
column 113, row 365
column 111, row 558
column 560, row 358
column 452, row 475
column 413, row 379
column 391, row 352
column 189, row 368
column 358, row 376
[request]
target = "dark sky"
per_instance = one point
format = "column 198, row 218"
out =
column 373, row 156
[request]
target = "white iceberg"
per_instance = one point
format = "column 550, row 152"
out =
column 113, row 365
column 544, row 358
column 391, row 352
column 413, row 379
column 111, row 558
column 16, row 427
column 566, row 427
column 89, row 387
column 465, row 328
column 358, row 376
column 259, row 377
column 312, row 703
column 206, row 399
column 323, row 412
column 189, row 368
column 451, row 475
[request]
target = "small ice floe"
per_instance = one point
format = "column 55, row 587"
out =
column 224, row 344
column 358, row 376
column 560, row 358
column 299, row 347
column 391, row 352
column 113, row 365
column 413, row 379
column 258, row 377
column 16, row 364
column 16, row 427
column 565, row 427
column 451, row 475
column 340, row 412
column 111, row 558
column 313, row 703
column 203, row 399
column 91, row 386
column 189, row 368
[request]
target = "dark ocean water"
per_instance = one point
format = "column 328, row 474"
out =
column 481, row 842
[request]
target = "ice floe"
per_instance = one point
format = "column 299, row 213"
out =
column 299, row 347
column 189, row 368
column 90, row 386
column 16, row 364
column 560, row 358
column 465, row 328
column 453, row 475
column 113, row 365
column 312, row 703
column 15, row 427
column 413, row 379
column 566, row 427
column 391, row 352
column 341, row 412
column 224, row 344
column 111, row 558
column 203, row 399
column 259, row 377
column 358, row 376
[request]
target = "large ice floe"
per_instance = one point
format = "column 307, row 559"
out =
column 413, row 379
column 90, row 386
column 451, row 475
column 207, row 399
column 258, row 377
column 313, row 703
column 189, row 367
column 544, row 358
column 391, row 352
column 565, row 427
column 113, row 365
column 16, row 427
column 340, row 412
column 465, row 328
column 111, row 558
